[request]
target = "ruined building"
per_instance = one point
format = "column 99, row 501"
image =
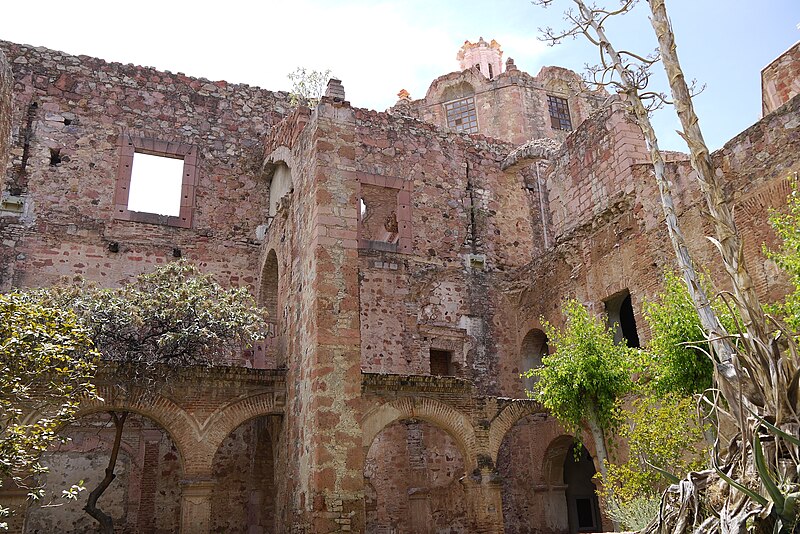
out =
column 405, row 257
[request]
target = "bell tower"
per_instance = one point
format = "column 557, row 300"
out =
column 483, row 56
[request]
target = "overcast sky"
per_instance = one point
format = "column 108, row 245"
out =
column 379, row 47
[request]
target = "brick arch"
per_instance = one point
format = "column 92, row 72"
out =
column 220, row 424
column 507, row 418
column 553, row 459
column 171, row 417
column 431, row 411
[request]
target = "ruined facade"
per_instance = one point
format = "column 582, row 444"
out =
column 406, row 259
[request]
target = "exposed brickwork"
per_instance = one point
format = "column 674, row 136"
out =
column 780, row 80
column 467, row 241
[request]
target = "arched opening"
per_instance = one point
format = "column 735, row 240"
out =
column 412, row 472
column 266, row 351
column 532, row 352
column 521, row 511
column 279, row 186
column 145, row 495
column 244, row 474
column 620, row 316
column 581, row 493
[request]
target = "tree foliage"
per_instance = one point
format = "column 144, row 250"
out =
column 47, row 362
column 149, row 329
column 787, row 257
column 586, row 374
column 308, row 86
column 677, row 359
column 662, row 434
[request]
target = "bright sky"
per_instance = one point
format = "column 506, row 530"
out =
column 379, row 47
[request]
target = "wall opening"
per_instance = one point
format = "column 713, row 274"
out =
column 620, row 317
column 411, row 475
column 265, row 351
column 441, row 362
column 559, row 113
column 532, row 352
column 280, row 185
column 156, row 184
column 245, row 478
column 582, row 503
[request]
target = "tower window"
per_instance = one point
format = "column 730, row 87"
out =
column 559, row 113
column 461, row 115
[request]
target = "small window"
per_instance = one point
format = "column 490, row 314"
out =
column 461, row 115
column 559, row 113
column 584, row 506
column 155, row 182
column 441, row 362
column 156, row 185
column 619, row 311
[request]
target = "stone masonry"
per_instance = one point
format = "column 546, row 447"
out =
column 406, row 259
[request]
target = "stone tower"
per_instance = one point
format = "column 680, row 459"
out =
column 483, row 56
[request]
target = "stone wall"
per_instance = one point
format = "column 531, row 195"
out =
column 69, row 116
column 513, row 105
column 6, row 86
column 780, row 80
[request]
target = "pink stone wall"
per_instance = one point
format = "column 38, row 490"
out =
column 82, row 106
column 780, row 80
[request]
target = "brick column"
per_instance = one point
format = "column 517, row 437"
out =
column 484, row 503
column 196, row 506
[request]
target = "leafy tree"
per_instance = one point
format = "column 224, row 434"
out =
column 583, row 380
column 677, row 359
column 149, row 329
column 787, row 227
column 47, row 362
column 308, row 86
column 664, row 441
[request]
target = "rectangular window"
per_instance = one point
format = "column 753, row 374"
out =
column 155, row 182
column 461, row 115
column 441, row 363
column 156, row 185
column 559, row 113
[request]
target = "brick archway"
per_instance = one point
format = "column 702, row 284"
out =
column 507, row 418
column 445, row 417
column 231, row 416
column 176, row 422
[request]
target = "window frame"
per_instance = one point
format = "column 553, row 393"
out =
column 129, row 146
column 450, row 105
column 560, row 115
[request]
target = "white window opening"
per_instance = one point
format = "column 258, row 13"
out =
column 155, row 186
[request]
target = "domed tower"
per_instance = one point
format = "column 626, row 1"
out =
column 483, row 56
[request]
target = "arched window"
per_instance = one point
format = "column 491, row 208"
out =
column 279, row 186
column 534, row 349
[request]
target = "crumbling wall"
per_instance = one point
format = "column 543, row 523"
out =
column 414, row 468
column 6, row 86
column 780, row 80
column 69, row 116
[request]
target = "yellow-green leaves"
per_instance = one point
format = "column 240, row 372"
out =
column 47, row 362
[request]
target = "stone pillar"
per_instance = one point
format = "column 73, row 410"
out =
column 484, row 502
column 16, row 499
column 196, row 506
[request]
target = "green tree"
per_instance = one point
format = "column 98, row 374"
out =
column 677, row 359
column 585, row 377
column 47, row 362
column 172, row 318
column 787, row 257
